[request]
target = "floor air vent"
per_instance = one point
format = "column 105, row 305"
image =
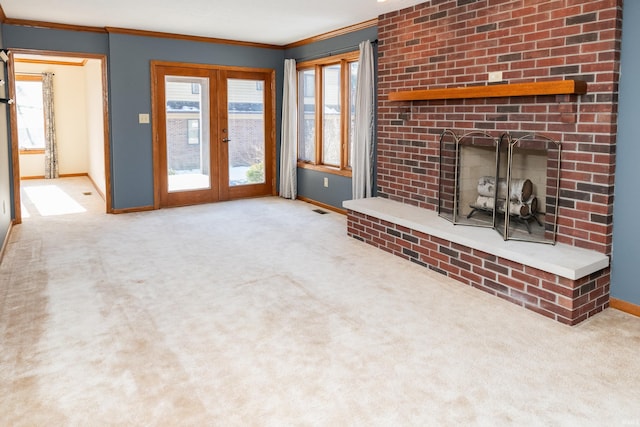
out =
column 320, row 211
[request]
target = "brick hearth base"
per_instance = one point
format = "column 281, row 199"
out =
column 566, row 300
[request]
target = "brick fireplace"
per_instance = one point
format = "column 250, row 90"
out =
column 457, row 43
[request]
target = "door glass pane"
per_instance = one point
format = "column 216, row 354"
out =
column 307, row 113
column 187, row 133
column 331, row 115
column 246, row 131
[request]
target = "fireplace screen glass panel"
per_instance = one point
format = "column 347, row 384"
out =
column 466, row 164
column 533, row 178
column 448, row 179
column 511, row 185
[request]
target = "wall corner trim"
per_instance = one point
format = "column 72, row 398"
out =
column 322, row 205
column 625, row 306
column 131, row 210
column 6, row 240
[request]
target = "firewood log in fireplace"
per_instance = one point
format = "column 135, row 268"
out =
column 516, row 207
column 521, row 189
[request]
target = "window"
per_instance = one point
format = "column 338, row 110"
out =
column 29, row 105
column 193, row 131
column 326, row 101
column 307, row 115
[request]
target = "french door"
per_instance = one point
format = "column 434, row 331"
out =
column 214, row 136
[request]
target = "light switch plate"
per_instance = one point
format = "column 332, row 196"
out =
column 143, row 118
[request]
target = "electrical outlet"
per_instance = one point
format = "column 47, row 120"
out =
column 326, row 181
column 143, row 118
column 495, row 76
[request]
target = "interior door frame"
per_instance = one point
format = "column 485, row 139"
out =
column 270, row 120
column 13, row 122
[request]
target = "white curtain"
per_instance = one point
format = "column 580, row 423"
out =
column 50, row 145
column 288, row 154
column 362, row 154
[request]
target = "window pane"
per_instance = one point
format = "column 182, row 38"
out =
column 353, row 75
column 193, row 130
column 331, row 115
column 307, row 114
column 187, row 130
column 246, row 131
column 30, row 115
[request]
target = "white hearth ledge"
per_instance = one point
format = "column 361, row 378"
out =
column 560, row 259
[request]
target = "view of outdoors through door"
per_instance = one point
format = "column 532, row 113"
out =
column 187, row 136
column 245, row 104
column 214, row 133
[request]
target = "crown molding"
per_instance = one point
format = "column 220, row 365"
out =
column 143, row 33
column 157, row 34
column 334, row 33
column 53, row 25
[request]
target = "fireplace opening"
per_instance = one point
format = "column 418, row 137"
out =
column 505, row 183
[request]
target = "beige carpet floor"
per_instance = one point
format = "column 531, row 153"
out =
column 264, row 313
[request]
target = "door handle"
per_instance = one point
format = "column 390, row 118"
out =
column 225, row 140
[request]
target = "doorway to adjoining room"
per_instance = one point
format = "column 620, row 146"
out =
column 60, row 128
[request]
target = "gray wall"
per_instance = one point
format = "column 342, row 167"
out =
column 15, row 36
column 130, row 91
column 310, row 182
column 625, row 284
column 130, row 94
column 130, row 88
column 311, row 186
column 5, row 156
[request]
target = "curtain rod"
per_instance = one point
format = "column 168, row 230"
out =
column 332, row 53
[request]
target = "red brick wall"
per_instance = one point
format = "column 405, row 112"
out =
column 567, row 301
column 451, row 43
column 182, row 155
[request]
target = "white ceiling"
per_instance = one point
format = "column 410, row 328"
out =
column 277, row 22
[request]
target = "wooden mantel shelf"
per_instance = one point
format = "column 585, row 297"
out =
column 559, row 87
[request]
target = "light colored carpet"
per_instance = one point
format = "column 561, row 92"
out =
column 263, row 312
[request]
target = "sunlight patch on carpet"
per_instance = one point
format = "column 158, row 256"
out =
column 50, row 200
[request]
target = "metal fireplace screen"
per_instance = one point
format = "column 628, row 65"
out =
column 510, row 185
